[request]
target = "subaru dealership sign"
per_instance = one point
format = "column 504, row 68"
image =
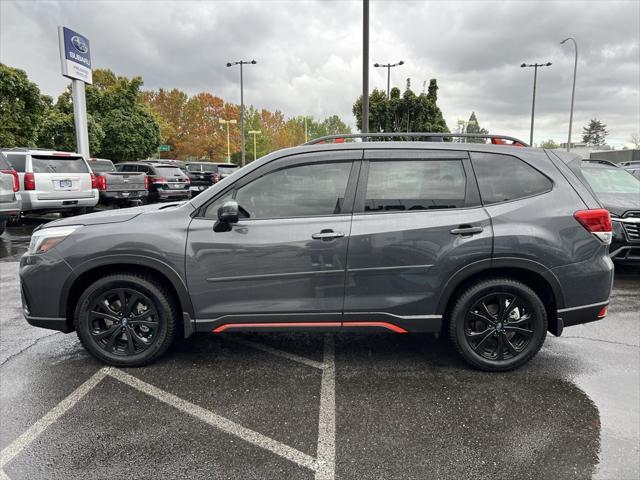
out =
column 75, row 55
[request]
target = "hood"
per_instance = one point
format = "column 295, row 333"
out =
column 112, row 216
column 619, row 203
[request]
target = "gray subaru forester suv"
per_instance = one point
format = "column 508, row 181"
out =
column 492, row 245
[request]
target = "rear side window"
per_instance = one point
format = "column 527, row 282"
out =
column 101, row 166
column 55, row 164
column 4, row 165
column 17, row 161
column 415, row 185
column 502, row 178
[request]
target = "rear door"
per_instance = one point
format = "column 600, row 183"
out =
column 61, row 177
column 417, row 221
column 284, row 261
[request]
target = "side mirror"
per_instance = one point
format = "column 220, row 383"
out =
column 228, row 213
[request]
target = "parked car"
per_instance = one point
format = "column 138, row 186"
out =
column 53, row 181
column 10, row 203
column 122, row 188
column 202, row 175
column 492, row 245
column 166, row 182
column 619, row 192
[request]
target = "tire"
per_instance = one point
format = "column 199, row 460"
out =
column 3, row 225
column 494, row 340
column 107, row 334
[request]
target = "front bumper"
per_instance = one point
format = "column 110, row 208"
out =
column 625, row 245
column 42, row 281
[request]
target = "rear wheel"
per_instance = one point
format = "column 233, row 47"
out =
column 498, row 324
column 125, row 320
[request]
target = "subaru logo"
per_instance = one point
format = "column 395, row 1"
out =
column 79, row 44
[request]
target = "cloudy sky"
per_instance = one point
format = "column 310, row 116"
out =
column 310, row 54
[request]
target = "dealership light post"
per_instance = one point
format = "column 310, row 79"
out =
column 254, row 133
column 533, row 103
column 573, row 89
column 388, row 66
column 227, row 123
column 241, row 63
column 365, row 67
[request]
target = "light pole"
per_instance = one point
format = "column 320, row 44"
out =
column 388, row 67
column 227, row 123
column 573, row 89
column 241, row 63
column 533, row 103
column 365, row 67
column 254, row 133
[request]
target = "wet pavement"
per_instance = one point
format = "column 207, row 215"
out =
column 314, row 406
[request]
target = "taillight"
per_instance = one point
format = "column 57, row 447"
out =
column 101, row 182
column 158, row 180
column 187, row 180
column 146, row 182
column 94, row 181
column 603, row 311
column 215, row 177
column 29, row 181
column 16, row 179
column 597, row 222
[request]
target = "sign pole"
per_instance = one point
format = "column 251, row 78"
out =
column 80, row 117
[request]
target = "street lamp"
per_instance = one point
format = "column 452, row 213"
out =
column 573, row 89
column 227, row 123
column 388, row 67
column 533, row 104
column 241, row 63
column 254, row 133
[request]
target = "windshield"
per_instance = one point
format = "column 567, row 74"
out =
column 169, row 171
column 227, row 170
column 611, row 180
column 55, row 164
column 102, row 166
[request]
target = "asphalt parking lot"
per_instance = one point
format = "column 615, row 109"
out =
column 318, row 406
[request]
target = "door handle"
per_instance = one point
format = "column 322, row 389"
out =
column 327, row 235
column 465, row 230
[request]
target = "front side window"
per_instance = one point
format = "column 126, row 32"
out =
column 299, row 191
column 406, row 185
column 502, row 178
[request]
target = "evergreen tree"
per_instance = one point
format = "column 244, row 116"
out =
column 595, row 133
column 474, row 127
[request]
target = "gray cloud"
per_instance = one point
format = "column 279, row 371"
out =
column 309, row 54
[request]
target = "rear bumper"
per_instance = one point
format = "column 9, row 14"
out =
column 122, row 195
column 172, row 194
column 10, row 209
column 582, row 314
column 30, row 202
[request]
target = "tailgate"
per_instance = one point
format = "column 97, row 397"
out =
column 6, row 188
column 61, row 177
column 123, row 181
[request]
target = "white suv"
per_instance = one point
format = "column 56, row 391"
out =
column 53, row 181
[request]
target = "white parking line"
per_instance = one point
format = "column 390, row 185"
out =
column 15, row 447
column 276, row 352
column 326, row 453
column 217, row 421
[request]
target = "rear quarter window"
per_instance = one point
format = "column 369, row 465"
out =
column 55, row 164
column 503, row 178
column 17, row 161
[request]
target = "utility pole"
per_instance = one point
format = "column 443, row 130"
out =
column 241, row 63
column 533, row 103
column 365, row 67
column 573, row 89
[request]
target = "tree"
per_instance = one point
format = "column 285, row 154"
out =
column 549, row 144
column 58, row 132
column 403, row 113
column 635, row 140
column 595, row 133
column 22, row 108
column 474, row 127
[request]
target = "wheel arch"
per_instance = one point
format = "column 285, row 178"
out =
column 88, row 272
column 531, row 273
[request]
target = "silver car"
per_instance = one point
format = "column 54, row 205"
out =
column 53, row 181
column 9, row 197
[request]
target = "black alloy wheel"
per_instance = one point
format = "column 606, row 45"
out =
column 126, row 320
column 498, row 324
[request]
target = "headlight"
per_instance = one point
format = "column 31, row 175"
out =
column 45, row 239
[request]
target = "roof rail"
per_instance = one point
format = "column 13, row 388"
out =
column 435, row 136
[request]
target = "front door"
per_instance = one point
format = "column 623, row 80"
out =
column 417, row 221
column 284, row 261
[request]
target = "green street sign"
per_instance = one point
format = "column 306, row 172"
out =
column 164, row 148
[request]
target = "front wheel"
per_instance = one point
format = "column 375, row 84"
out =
column 125, row 320
column 498, row 324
